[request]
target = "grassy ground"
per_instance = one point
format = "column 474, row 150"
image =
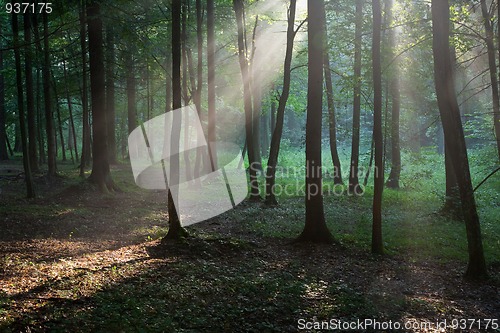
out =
column 74, row 260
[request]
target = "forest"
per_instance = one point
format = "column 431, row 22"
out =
column 250, row 166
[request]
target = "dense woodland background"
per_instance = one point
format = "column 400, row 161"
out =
column 396, row 102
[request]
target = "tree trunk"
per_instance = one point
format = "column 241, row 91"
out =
column 85, row 158
column 72, row 130
column 110, row 94
column 30, row 191
column 49, row 120
column 454, row 135
column 30, row 99
column 332, row 124
column 356, row 117
column 3, row 134
column 490, row 46
column 39, row 117
column 247, row 97
column 131, row 91
column 377, row 244
column 58, row 115
column 100, row 175
column 315, row 229
column 277, row 129
column 212, row 137
column 175, row 230
column 393, row 180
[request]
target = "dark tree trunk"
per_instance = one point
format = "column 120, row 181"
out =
column 30, row 98
column 72, row 130
column 490, row 46
column 454, row 135
column 110, row 94
column 131, row 91
column 277, row 130
column 3, row 134
column 39, row 117
column 393, row 180
column 356, row 118
column 58, row 115
column 332, row 124
column 264, row 123
column 212, row 137
column 100, row 175
column 86, row 151
column 247, row 97
column 377, row 243
column 315, row 229
column 30, row 191
column 175, row 230
column 257, row 101
column 49, row 119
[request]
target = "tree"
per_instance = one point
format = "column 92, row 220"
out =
column 454, row 135
column 175, row 230
column 211, row 82
column 110, row 93
column 493, row 71
column 3, row 134
column 247, row 97
column 30, row 99
column 100, row 175
column 277, row 129
column 332, row 123
column 30, row 190
column 356, row 117
column 315, row 229
column 49, row 119
column 86, row 152
column 377, row 244
column 393, row 180
column 131, row 90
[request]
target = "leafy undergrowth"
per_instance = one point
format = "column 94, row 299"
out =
column 76, row 261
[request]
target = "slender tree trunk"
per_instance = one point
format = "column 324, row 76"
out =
column 100, row 175
column 49, row 120
column 277, row 129
column 493, row 71
column 332, row 124
column 131, row 91
column 454, row 135
column 72, row 130
column 175, row 230
column 110, row 94
column 356, row 118
column 247, row 97
column 264, row 123
column 212, row 137
column 86, row 151
column 58, row 115
column 30, row 190
column 393, row 180
column 377, row 243
column 257, row 100
column 39, row 117
column 30, row 99
column 315, row 229
column 3, row 133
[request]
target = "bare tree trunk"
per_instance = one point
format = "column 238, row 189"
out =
column 315, row 229
column 3, row 134
column 212, row 137
column 30, row 99
column 100, row 175
column 30, row 191
column 58, row 115
column 454, row 135
column 356, row 118
column 86, row 151
column 377, row 243
column 277, row 129
column 49, row 120
column 247, row 97
column 110, row 94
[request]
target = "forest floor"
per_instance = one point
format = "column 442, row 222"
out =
column 73, row 260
